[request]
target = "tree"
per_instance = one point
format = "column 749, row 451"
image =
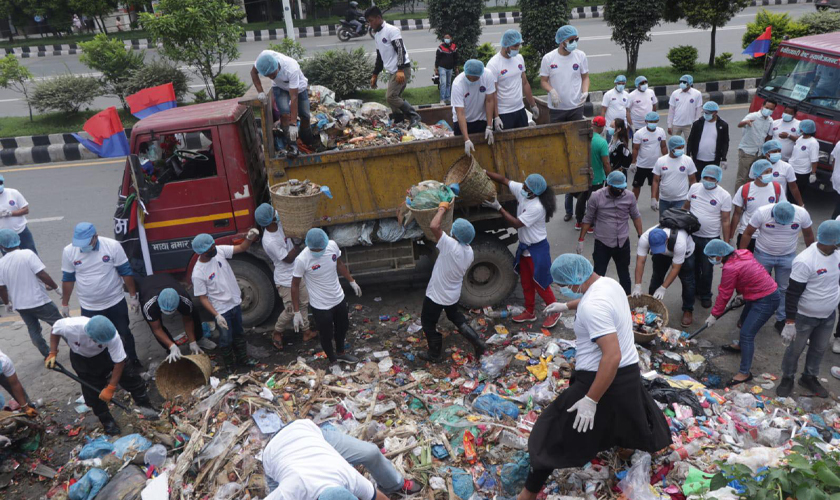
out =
column 66, row 93
column 201, row 33
column 96, row 9
column 631, row 22
column 711, row 14
column 16, row 13
column 15, row 76
column 116, row 63
column 158, row 72
column 540, row 20
column 461, row 19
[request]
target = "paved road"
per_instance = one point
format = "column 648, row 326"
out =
column 604, row 55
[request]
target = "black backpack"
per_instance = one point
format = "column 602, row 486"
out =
column 676, row 219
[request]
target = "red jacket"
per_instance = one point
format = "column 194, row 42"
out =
column 742, row 273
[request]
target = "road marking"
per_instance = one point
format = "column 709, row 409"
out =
column 10, row 100
column 45, row 167
column 45, row 219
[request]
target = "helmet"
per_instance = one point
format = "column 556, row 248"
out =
column 354, row 4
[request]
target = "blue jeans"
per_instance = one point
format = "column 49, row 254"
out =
column 283, row 100
column 445, row 83
column 569, row 203
column 665, row 205
column 757, row 313
column 26, row 240
column 48, row 313
column 818, row 331
column 118, row 314
column 779, row 266
column 234, row 321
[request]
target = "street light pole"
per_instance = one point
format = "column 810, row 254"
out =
column 287, row 16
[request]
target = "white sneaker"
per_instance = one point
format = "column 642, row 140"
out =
column 835, row 371
column 206, row 344
column 835, row 347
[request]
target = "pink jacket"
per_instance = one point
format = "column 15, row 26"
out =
column 742, row 273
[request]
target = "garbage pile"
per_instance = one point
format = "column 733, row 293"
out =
column 646, row 322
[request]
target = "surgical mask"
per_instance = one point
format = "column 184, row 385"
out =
column 679, row 152
column 715, row 262
column 615, row 192
column 651, row 126
column 708, row 116
column 571, row 46
column 787, row 117
column 319, row 253
column 683, row 85
column 766, row 112
column 87, row 248
column 473, row 82
column 569, row 293
column 169, row 313
column 767, row 178
column 513, row 53
column 709, row 184
column 447, row 41
column 643, row 87
column 774, row 157
column 212, row 251
column 610, row 130
column 620, row 87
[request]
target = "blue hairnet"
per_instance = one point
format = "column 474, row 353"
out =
column 687, row 78
column 202, row 243
column 463, row 231
column 536, row 183
column 168, row 299
column 565, row 32
column 783, row 212
column 9, row 239
column 337, row 493
column 640, row 79
column 758, row 167
column 652, row 116
column 100, row 329
column 829, row 232
column 712, row 171
column 617, row 179
column 675, row 141
column 571, row 269
column 718, row 248
column 265, row 215
column 473, row 67
column 807, row 126
column 316, row 239
column 267, row 64
column 620, row 78
column 770, row 145
column 711, row 106
column 511, row 37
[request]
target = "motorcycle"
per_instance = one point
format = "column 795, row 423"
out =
column 347, row 31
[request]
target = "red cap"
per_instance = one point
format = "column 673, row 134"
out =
column 599, row 121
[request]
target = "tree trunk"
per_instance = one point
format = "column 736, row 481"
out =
column 712, row 48
column 632, row 58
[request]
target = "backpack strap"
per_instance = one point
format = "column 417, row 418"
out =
column 778, row 188
column 745, row 193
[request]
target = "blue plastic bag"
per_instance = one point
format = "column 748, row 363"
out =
column 132, row 444
column 96, row 448
column 514, row 474
column 88, row 487
column 493, row 405
column 462, row 482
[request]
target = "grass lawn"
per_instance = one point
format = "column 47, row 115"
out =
column 52, row 123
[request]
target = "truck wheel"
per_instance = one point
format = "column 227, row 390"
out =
column 490, row 278
column 258, row 292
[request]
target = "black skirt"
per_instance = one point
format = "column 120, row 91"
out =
column 627, row 417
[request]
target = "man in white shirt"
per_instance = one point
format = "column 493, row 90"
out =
column 684, row 107
column 762, row 190
column 649, row 144
column 13, row 211
column 712, row 205
column 215, row 286
column 835, row 179
column 98, row 358
column 756, row 126
column 805, row 155
column 785, row 130
column 289, row 87
column 615, row 101
column 811, row 309
column 708, row 142
column 22, row 280
column 782, row 171
column 508, row 69
column 642, row 102
column 97, row 268
column 673, row 174
column 564, row 74
column 392, row 56
column 10, row 381
column 775, row 245
column 473, row 103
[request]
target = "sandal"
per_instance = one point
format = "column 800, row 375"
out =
column 309, row 335
column 731, row 348
column 732, row 382
column 277, row 343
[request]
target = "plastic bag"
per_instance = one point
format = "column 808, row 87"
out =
column 543, row 393
column 220, row 442
column 758, row 457
column 130, row 445
column 431, row 198
column 97, row 448
column 227, row 491
column 661, row 391
column 513, row 475
column 348, row 235
column 462, row 481
column 391, row 231
column 636, row 485
column 89, row 485
column 322, row 95
column 374, row 110
column 492, row 366
column 495, row 406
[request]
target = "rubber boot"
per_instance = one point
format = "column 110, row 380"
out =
column 145, row 401
column 109, row 424
column 412, row 115
column 228, row 357
column 308, row 137
column 291, row 146
column 433, row 355
column 240, row 350
column 471, row 335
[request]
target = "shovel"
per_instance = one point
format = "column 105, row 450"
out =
column 150, row 414
column 733, row 305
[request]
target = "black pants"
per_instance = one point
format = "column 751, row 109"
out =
column 475, row 127
column 750, row 247
column 621, row 255
column 429, row 318
column 517, row 119
column 332, row 326
column 96, row 371
column 836, row 205
column 118, row 314
column 197, row 331
column 704, row 270
column 661, row 267
column 565, row 115
column 700, row 165
column 582, row 198
column 802, row 183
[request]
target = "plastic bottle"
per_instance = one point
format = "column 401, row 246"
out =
column 504, row 313
column 155, row 455
column 513, row 441
column 683, row 453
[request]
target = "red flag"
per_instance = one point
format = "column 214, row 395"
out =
column 761, row 45
column 152, row 100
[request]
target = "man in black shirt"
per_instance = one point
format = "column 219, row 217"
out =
column 161, row 294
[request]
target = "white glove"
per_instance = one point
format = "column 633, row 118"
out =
column 5, row 442
column 555, row 308
column 579, row 248
column 253, row 234
column 535, row 111
column 555, row 98
column 812, row 178
column 632, row 168
column 724, row 165
column 293, row 132
column 468, row 147
column 134, row 303
column 5, row 213
column 194, row 349
column 10, row 309
column 356, row 288
column 789, row 332
column 298, row 321
column 637, row 290
column 659, row 294
column 488, row 135
column 497, row 123
column 222, row 322
column 710, row 320
column 583, row 98
column 585, row 418
column 262, row 97
column 57, row 292
column 174, row 354
column 495, row 205
column 65, row 311
column 654, row 204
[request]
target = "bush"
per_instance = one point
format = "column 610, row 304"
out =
column 158, row 72
column 200, row 96
column 229, row 86
column 485, row 52
column 461, row 19
column 533, row 60
column 783, row 26
column 821, row 22
column 683, row 57
column 723, row 60
column 66, row 93
column 385, row 77
column 289, row 47
column 341, row 71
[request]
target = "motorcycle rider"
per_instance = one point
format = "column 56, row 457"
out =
column 353, row 17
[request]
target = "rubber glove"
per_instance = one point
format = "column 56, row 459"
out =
column 10, row 309
column 49, row 363
column 293, row 132
column 488, row 135
column 585, row 418
column 637, row 290
column 107, row 393
column 5, row 442
column 373, row 81
column 495, row 205
column 57, row 292
column 221, row 321
column 30, row 412
column 497, row 123
column 789, row 332
column 812, row 178
column 298, row 321
column 710, row 320
column 724, row 165
column 134, row 303
column 400, row 77
column 253, row 234
column 262, row 97
column 659, row 294
column 632, row 168
column 174, row 354
column 579, row 248
column 194, row 349
column 5, row 213
column 583, row 98
column 535, row 111
column 444, row 204
column 356, row 288
column 654, row 204
column 555, row 98
column 65, row 311
column 468, row 147
column 555, row 308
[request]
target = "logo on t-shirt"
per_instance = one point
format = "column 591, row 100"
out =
column 682, row 169
column 316, row 267
column 77, row 263
column 466, row 95
column 750, row 198
column 521, row 68
column 645, row 140
column 691, row 100
column 775, row 174
column 713, row 202
column 553, row 66
column 794, row 226
column 664, row 169
column 106, row 258
column 12, row 202
column 482, row 89
column 677, row 99
column 820, row 272
column 575, row 66
column 771, row 199
column 694, row 197
column 334, row 257
column 638, row 101
column 769, row 225
column 793, row 129
column 804, row 148
column 211, row 277
column 384, row 40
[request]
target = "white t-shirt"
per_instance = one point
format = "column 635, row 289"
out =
column 707, row 205
column 321, row 276
column 755, row 135
column 684, row 107
column 603, row 310
column 7, row 368
column 565, row 74
column 11, row 200
column 73, row 332
column 508, row 71
column 708, row 142
column 277, row 246
column 650, row 148
column 17, row 273
column 383, row 39
column 775, row 238
column 790, row 127
column 304, row 465
column 757, row 198
column 216, row 280
column 673, row 176
column 451, row 265
column 683, row 247
column 615, row 103
column 640, row 104
column 783, row 173
column 471, row 96
column 98, row 283
column 835, row 173
column 821, row 275
column 531, row 213
column 289, row 75
column 805, row 152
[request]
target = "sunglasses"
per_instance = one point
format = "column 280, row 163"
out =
column 575, row 39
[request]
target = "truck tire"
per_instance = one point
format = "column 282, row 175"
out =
column 257, row 287
column 490, row 278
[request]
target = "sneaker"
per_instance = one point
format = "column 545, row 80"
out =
column 524, row 317
column 706, row 303
column 835, row 347
column 785, row 387
column 567, row 217
column 813, row 385
column 410, row 487
column 577, row 226
column 347, row 358
column 590, row 230
column 206, row 344
column 551, row 320
column 835, row 371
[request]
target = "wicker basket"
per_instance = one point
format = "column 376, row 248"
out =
column 298, row 214
column 475, row 186
column 183, row 376
column 424, row 220
column 653, row 305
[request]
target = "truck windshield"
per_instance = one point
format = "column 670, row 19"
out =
column 805, row 76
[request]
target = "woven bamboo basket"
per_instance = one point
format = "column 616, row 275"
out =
column 183, row 376
column 476, row 187
column 653, row 305
column 424, row 220
column 298, row 214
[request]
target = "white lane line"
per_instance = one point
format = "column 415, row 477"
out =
column 45, row 219
column 10, row 100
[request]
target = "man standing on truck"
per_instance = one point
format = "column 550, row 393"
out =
column 161, row 295
column 13, row 211
column 757, row 126
column 673, row 174
column 473, row 103
column 564, row 74
column 215, row 286
column 392, row 56
column 684, row 107
column 508, row 69
column 708, row 141
column 648, row 146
